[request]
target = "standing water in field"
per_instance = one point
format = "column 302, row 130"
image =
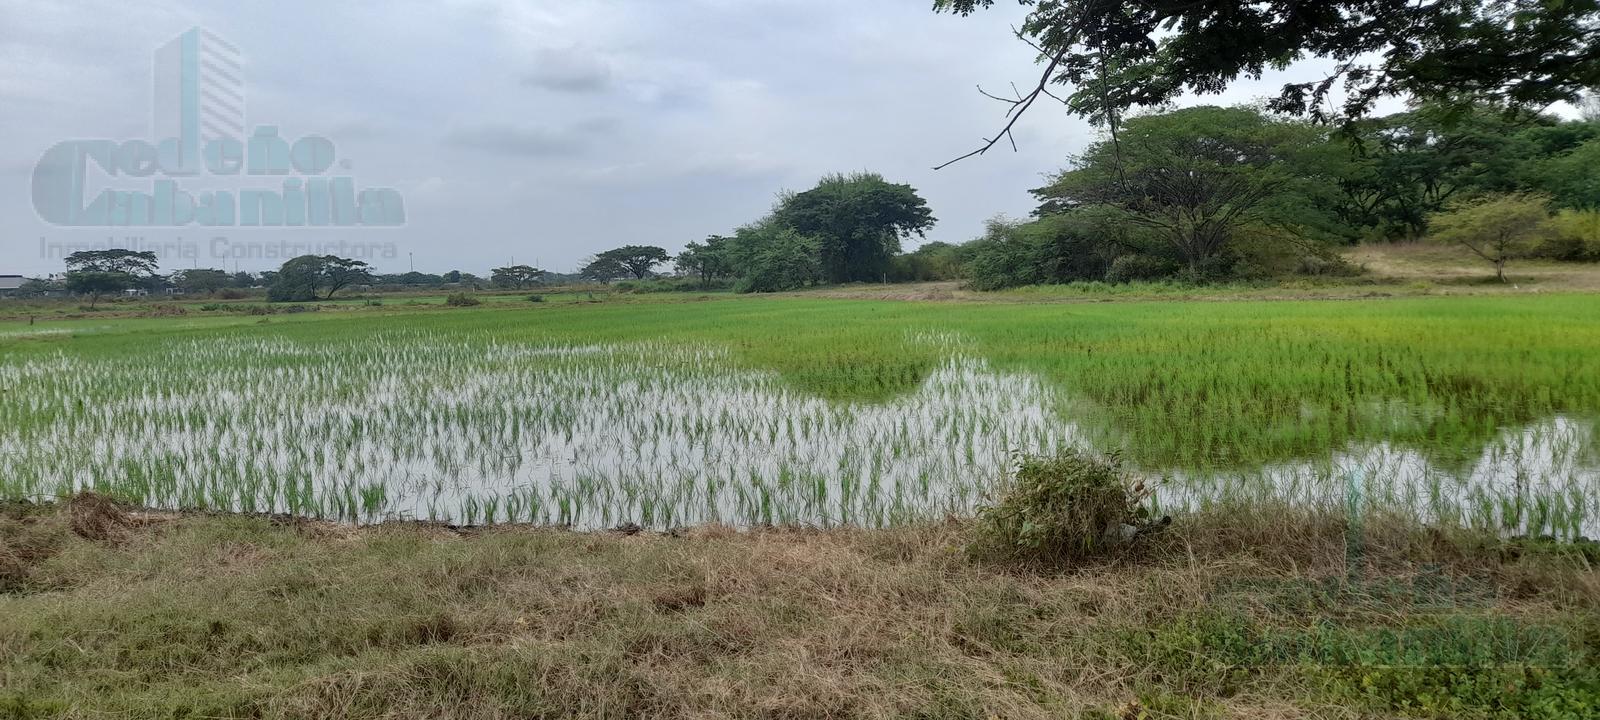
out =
column 417, row 425
column 407, row 425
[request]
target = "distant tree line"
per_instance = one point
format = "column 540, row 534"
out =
column 1208, row 193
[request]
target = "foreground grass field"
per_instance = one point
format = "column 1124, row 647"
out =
column 1263, row 614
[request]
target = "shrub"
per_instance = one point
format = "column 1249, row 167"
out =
column 535, row 298
column 461, row 300
column 374, row 303
column 211, row 307
column 232, row 294
column 1574, row 237
column 1059, row 509
column 1050, row 250
column 1130, row 268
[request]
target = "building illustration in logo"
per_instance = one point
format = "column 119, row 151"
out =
column 199, row 91
column 203, row 165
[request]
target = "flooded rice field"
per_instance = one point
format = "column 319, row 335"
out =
column 420, row 425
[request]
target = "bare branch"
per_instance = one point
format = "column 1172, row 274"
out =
column 1022, row 102
column 1018, row 107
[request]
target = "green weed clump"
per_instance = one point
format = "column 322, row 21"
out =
column 1062, row 508
column 462, row 300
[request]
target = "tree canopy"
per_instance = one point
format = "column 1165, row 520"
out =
column 639, row 261
column 1196, row 179
column 202, row 280
column 858, row 221
column 301, row 278
column 513, row 276
column 96, row 272
column 1497, row 228
column 1120, row 54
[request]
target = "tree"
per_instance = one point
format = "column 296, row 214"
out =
column 708, row 261
column 202, row 280
column 243, row 280
column 858, row 220
column 1196, row 180
column 637, row 260
column 339, row 273
column 1053, row 249
column 37, row 287
column 774, row 257
column 603, row 268
column 1496, row 228
column 96, row 272
column 1403, row 168
column 931, row 261
column 514, row 276
column 1572, row 178
column 1120, row 54
column 301, row 278
column 1574, row 236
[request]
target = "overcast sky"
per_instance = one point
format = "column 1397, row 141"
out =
column 545, row 131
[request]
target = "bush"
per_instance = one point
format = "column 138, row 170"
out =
column 1059, row 509
column 232, row 294
column 211, row 307
column 461, row 300
column 374, row 303
column 1051, row 250
column 1574, row 237
column 1130, row 268
column 777, row 259
column 535, row 298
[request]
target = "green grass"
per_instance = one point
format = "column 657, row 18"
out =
column 1196, row 390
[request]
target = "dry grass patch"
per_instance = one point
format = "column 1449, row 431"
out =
column 243, row 617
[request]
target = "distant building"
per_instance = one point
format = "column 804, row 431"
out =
column 9, row 284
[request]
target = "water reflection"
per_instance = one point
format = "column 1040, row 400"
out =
column 416, row 425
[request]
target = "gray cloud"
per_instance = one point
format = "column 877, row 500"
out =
column 569, row 71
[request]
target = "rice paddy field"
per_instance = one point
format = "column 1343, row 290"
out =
column 1468, row 411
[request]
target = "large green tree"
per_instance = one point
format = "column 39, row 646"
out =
column 707, row 261
column 202, row 280
column 303, row 278
column 640, row 261
column 858, row 220
column 1197, row 179
column 97, row 272
column 1118, row 54
column 1403, row 168
column 513, row 276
